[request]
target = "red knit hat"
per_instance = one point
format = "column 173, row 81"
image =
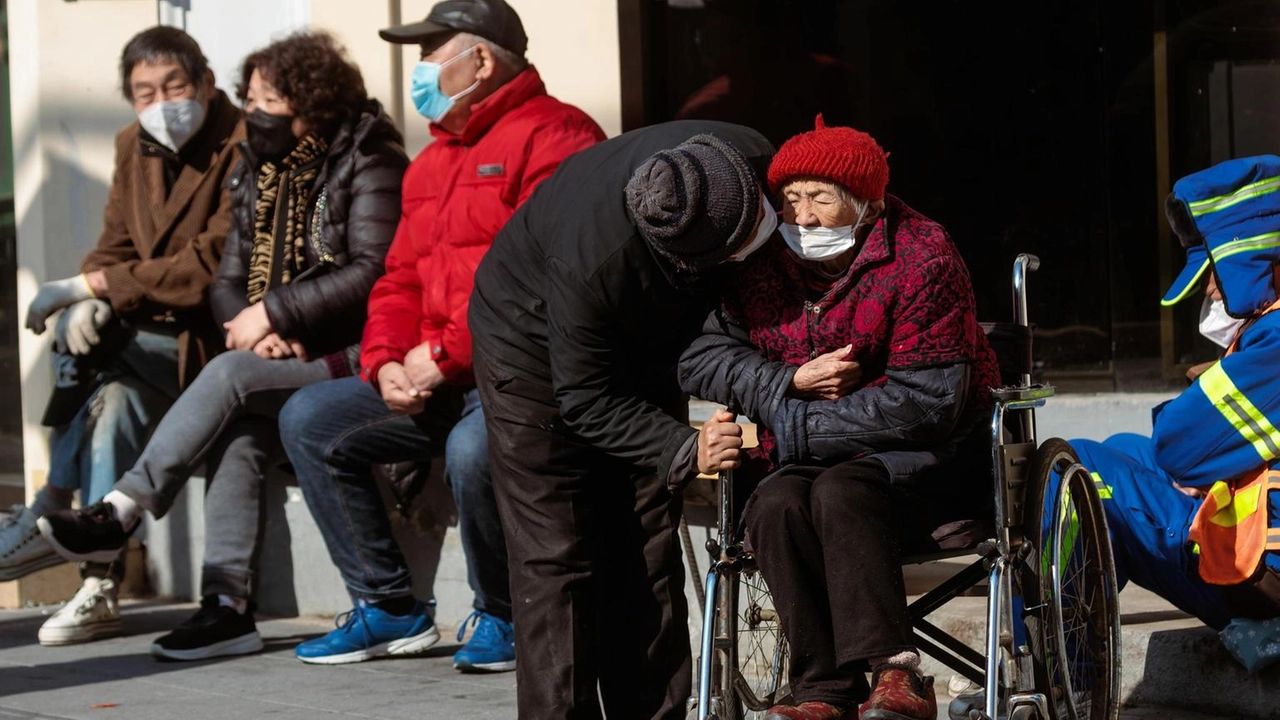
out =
column 840, row 154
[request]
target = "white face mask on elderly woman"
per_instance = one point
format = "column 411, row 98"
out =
column 1216, row 325
column 820, row 243
column 764, row 231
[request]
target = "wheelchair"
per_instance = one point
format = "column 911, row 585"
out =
column 1043, row 559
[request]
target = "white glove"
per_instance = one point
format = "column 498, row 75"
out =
column 53, row 296
column 78, row 326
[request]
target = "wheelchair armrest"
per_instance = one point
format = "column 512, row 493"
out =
column 1021, row 398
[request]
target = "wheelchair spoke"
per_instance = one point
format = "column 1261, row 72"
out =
column 762, row 665
column 1074, row 630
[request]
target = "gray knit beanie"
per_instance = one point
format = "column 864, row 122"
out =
column 697, row 203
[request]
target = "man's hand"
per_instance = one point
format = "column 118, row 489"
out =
column 422, row 369
column 274, row 347
column 719, row 443
column 398, row 392
column 78, row 325
column 54, row 296
column 827, row 377
column 247, row 329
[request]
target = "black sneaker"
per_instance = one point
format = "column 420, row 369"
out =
column 215, row 630
column 91, row 534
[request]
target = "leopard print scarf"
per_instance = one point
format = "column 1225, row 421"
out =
column 280, row 217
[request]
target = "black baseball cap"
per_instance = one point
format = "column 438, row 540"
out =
column 493, row 20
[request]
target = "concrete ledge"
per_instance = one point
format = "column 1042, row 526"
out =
column 296, row 576
column 1168, row 659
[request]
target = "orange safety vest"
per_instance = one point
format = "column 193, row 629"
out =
column 1230, row 528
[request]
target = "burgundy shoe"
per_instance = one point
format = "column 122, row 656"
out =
column 900, row 694
column 804, row 711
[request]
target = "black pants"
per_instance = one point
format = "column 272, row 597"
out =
column 597, row 583
column 829, row 544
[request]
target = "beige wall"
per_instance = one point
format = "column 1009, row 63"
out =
column 67, row 110
column 573, row 43
column 356, row 25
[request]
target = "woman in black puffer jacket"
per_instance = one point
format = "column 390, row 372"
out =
column 316, row 201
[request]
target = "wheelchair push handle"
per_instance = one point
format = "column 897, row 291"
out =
column 1026, row 263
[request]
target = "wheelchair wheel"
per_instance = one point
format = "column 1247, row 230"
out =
column 755, row 657
column 1069, row 584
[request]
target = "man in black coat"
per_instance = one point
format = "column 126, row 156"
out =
column 579, row 314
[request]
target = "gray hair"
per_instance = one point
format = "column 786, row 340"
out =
column 859, row 204
column 509, row 60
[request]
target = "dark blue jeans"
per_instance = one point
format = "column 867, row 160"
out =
column 335, row 431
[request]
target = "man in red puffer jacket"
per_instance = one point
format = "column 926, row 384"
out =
column 497, row 136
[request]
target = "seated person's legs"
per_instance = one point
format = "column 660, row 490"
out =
column 232, row 386
column 235, row 514
column 333, row 433
column 1148, row 519
column 779, row 525
column 466, row 455
column 102, row 441
column 828, row 542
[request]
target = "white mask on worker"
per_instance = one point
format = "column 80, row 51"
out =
column 1216, row 325
column 768, row 224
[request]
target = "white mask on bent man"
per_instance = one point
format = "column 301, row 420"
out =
column 768, row 224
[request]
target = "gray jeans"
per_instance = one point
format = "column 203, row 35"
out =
column 226, row 420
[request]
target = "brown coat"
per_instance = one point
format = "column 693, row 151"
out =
column 159, row 254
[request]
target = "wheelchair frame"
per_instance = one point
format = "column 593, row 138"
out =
column 1025, row 671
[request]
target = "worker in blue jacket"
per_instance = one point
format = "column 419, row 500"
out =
column 1221, row 429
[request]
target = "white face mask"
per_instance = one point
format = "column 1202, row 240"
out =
column 768, row 224
column 820, row 243
column 172, row 122
column 1216, row 324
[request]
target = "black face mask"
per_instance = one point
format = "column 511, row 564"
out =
column 270, row 136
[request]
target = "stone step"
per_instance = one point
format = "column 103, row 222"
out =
column 1169, row 659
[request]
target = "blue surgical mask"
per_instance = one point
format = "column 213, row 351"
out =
column 424, row 88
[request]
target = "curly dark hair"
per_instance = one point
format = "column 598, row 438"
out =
column 312, row 71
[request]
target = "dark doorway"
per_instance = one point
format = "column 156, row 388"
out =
column 1021, row 127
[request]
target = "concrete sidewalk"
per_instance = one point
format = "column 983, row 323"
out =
column 117, row 678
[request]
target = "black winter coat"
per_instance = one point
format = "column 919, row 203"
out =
column 362, row 174
column 571, row 297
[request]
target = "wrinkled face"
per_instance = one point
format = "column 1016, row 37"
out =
column 816, row 203
column 150, row 83
column 263, row 96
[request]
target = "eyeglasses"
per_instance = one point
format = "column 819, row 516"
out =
column 172, row 90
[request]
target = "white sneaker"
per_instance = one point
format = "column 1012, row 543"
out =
column 93, row 613
column 23, row 550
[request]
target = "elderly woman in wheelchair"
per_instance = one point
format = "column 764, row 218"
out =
column 856, row 348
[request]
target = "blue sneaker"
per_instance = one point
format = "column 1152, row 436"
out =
column 492, row 647
column 366, row 632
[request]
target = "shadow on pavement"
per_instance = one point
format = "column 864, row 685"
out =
column 25, row 672
column 151, row 617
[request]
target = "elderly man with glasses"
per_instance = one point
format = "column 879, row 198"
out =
column 134, row 325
